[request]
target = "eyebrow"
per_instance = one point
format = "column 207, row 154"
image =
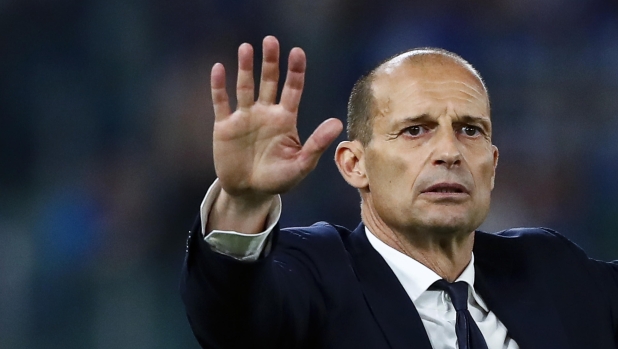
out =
column 467, row 119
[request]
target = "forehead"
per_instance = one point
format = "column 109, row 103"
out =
column 426, row 59
column 430, row 81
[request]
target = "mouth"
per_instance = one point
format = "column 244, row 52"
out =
column 446, row 189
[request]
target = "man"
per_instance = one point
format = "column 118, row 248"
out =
column 415, row 273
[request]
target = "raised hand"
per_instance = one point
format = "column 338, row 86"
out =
column 257, row 151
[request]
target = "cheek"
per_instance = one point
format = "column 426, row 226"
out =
column 390, row 172
column 485, row 173
column 388, row 183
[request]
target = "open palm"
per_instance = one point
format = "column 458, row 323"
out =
column 257, row 151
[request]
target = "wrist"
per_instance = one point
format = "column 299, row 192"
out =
column 246, row 204
column 240, row 213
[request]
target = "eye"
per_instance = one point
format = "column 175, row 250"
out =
column 415, row 131
column 471, row 131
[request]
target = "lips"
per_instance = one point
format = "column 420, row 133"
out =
column 446, row 188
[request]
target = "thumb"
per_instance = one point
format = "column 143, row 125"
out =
column 317, row 143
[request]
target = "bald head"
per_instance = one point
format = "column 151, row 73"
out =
column 362, row 103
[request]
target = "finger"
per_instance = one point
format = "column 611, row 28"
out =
column 270, row 70
column 220, row 99
column 318, row 142
column 294, row 81
column 244, row 85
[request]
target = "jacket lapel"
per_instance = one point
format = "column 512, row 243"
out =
column 390, row 304
column 524, row 306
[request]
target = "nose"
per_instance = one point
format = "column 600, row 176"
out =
column 446, row 149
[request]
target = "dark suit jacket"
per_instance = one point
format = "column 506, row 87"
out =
column 326, row 287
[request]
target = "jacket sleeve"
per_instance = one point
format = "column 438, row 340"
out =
column 272, row 302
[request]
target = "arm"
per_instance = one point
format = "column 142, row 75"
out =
column 274, row 302
column 257, row 155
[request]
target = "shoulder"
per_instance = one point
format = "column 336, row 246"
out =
column 526, row 237
column 319, row 250
column 319, row 234
column 317, row 231
column 527, row 233
column 538, row 244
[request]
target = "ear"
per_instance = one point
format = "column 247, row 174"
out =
column 350, row 160
column 496, row 155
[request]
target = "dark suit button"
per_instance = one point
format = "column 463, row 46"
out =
column 188, row 242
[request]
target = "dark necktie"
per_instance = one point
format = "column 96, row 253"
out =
column 468, row 334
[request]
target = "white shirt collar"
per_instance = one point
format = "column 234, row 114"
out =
column 414, row 276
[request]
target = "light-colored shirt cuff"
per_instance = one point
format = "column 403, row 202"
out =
column 244, row 247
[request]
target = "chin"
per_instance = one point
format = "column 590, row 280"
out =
column 451, row 223
column 447, row 228
column 456, row 217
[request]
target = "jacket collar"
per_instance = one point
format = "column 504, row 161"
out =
column 390, row 304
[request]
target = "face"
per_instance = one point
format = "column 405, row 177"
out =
column 430, row 163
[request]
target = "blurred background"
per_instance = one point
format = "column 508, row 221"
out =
column 106, row 121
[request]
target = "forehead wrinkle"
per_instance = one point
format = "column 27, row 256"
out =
column 410, row 83
column 440, row 91
column 456, row 82
column 468, row 99
column 469, row 89
column 412, row 119
column 472, row 96
column 425, row 80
